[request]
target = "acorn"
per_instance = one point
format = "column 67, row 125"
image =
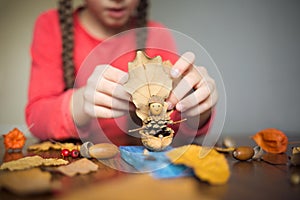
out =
column 103, row 151
column 243, row 153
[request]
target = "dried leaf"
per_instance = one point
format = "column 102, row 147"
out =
column 147, row 77
column 82, row 166
column 26, row 182
column 212, row 167
column 14, row 139
column 275, row 159
column 45, row 146
column 224, row 149
column 271, row 140
column 30, row 162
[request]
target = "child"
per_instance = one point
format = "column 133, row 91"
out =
column 60, row 107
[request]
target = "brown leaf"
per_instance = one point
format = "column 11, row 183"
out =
column 275, row 159
column 45, row 146
column 30, row 162
column 82, row 166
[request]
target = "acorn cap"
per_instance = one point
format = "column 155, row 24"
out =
column 84, row 149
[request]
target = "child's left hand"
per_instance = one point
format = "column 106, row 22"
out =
column 195, row 93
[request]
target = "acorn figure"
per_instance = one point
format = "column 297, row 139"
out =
column 150, row 84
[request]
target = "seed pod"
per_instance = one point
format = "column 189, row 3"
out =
column 243, row 153
column 103, row 151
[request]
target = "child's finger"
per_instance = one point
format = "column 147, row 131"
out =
column 182, row 64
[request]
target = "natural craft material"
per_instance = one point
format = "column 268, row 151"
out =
column 212, row 167
column 150, row 84
column 32, row 161
column 14, row 140
column 98, row 151
column 26, row 182
column 229, row 142
column 275, row 158
column 224, row 149
column 295, row 150
column 243, row 153
column 258, row 153
column 81, row 166
column 271, row 140
column 45, row 146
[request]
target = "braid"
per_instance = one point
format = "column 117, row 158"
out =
column 65, row 10
column 66, row 23
column 141, row 24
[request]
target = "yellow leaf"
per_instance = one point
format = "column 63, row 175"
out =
column 212, row 167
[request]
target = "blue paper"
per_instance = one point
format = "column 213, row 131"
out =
column 156, row 163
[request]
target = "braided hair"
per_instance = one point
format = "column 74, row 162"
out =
column 65, row 10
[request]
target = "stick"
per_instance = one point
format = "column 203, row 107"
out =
column 137, row 129
column 177, row 122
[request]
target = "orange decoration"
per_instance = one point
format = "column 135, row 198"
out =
column 271, row 140
column 15, row 139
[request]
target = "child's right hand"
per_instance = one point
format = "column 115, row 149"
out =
column 104, row 95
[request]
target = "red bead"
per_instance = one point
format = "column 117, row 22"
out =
column 65, row 153
column 74, row 153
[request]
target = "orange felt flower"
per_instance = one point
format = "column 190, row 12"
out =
column 271, row 140
column 15, row 139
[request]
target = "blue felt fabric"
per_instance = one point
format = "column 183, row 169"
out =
column 155, row 163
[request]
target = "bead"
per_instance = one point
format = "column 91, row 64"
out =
column 74, row 153
column 65, row 152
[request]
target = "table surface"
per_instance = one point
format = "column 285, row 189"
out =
column 248, row 180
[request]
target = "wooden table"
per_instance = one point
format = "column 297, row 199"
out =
column 249, row 180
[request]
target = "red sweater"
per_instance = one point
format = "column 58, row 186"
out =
column 48, row 104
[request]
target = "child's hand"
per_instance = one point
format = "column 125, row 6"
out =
column 104, row 95
column 196, row 92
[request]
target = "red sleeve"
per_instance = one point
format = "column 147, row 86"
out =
column 47, row 110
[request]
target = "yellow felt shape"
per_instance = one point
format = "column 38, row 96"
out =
column 208, row 164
